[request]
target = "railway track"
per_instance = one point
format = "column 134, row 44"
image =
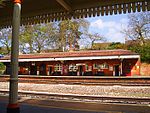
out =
column 78, row 98
column 85, row 80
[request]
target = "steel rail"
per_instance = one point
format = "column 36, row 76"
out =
column 93, row 98
column 85, row 80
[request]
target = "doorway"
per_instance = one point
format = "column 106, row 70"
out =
column 50, row 70
column 33, row 70
column 116, row 70
column 80, row 70
column 43, row 69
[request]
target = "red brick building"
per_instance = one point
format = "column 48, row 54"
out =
column 78, row 63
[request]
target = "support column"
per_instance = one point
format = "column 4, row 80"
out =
column 47, row 70
column 13, row 106
column 38, row 70
column 138, row 65
column 121, row 70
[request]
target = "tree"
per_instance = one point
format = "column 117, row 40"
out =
column 5, row 40
column 1, row 2
column 94, row 37
column 139, row 32
column 38, row 38
column 26, row 39
column 44, row 37
column 138, row 27
column 70, row 33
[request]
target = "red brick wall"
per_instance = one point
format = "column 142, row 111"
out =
column 130, row 66
column 145, row 69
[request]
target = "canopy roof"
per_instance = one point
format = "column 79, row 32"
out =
column 75, row 55
column 37, row 11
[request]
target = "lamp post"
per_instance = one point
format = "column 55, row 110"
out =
column 13, row 106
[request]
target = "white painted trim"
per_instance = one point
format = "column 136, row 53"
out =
column 4, row 60
column 129, row 56
column 80, row 64
column 48, row 73
column 113, row 72
column 121, row 71
column 38, row 72
column 77, row 58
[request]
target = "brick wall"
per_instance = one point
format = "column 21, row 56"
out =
column 145, row 69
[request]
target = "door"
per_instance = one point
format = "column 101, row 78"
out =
column 43, row 69
column 117, row 70
column 8, row 69
column 80, row 70
column 33, row 70
column 50, row 70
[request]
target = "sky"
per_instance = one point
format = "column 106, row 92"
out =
column 109, row 26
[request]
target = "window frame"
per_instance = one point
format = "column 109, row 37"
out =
column 58, row 68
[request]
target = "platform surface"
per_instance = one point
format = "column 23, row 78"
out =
column 52, row 106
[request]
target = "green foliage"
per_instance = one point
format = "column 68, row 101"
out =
column 38, row 38
column 5, row 41
column 117, row 45
column 2, row 68
column 1, row 64
column 93, row 41
column 1, row 1
column 143, row 50
column 138, row 31
column 100, row 46
column 70, row 32
column 57, row 36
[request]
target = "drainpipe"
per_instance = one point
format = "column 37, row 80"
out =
column 13, row 106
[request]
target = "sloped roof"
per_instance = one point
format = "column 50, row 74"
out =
column 74, row 54
column 39, row 11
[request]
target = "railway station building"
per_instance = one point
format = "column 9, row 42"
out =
column 78, row 63
column 109, row 63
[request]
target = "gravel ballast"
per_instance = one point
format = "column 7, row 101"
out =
column 112, row 91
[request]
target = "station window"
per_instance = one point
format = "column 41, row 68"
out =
column 72, row 67
column 95, row 66
column 26, row 69
column 88, row 68
column 58, row 67
column 104, row 66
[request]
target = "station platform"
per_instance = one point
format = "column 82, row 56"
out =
column 53, row 106
column 86, row 77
